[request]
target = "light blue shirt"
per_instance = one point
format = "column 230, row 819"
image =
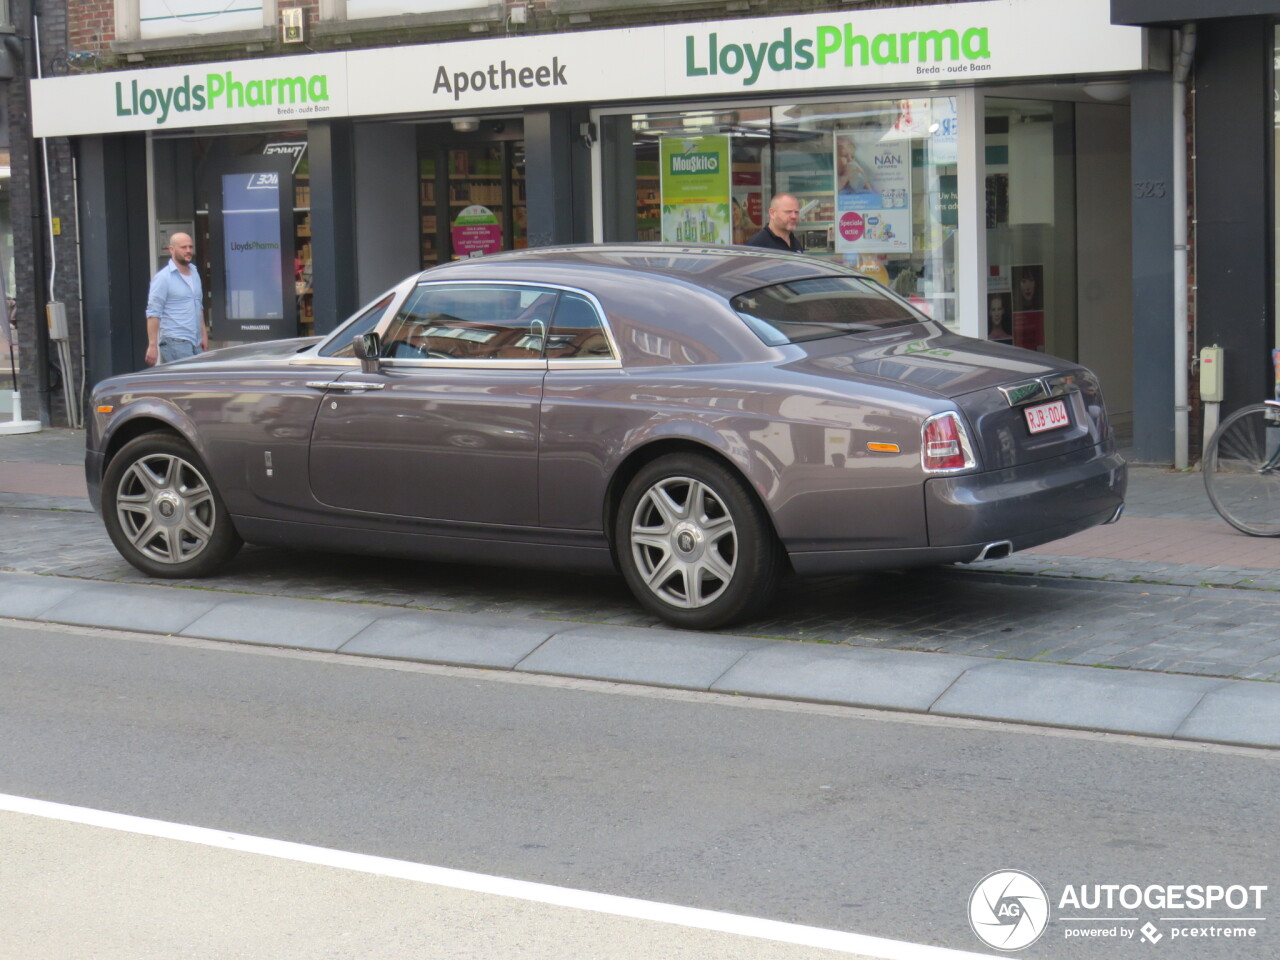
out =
column 179, row 303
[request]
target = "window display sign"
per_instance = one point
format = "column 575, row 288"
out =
column 695, row 182
column 252, row 249
column 475, row 231
column 873, row 192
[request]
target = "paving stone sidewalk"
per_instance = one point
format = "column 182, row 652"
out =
column 1123, row 595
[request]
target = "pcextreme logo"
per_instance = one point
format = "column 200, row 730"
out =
column 837, row 46
column 220, row 91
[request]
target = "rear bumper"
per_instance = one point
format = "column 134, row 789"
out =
column 1026, row 506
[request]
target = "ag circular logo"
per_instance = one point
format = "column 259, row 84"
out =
column 1008, row 910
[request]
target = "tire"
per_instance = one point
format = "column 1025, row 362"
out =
column 162, row 512
column 694, row 544
column 1242, row 470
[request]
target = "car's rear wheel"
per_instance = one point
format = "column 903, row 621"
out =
column 694, row 544
column 162, row 512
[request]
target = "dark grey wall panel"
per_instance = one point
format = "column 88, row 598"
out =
column 387, row 222
column 1234, row 200
column 333, row 268
column 116, row 260
column 1151, row 125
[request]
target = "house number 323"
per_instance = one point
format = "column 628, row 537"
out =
column 1149, row 189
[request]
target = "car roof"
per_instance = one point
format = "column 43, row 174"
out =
column 724, row 270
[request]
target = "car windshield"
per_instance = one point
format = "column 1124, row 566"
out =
column 819, row 308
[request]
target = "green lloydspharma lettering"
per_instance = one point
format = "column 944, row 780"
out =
column 219, row 91
column 830, row 46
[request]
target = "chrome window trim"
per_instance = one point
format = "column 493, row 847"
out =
column 584, row 363
column 310, row 361
column 470, row 363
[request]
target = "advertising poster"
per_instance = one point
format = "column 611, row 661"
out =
column 252, row 248
column 475, row 231
column 873, row 193
column 748, row 201
column 694, row 177
column 999, row 304
column 1028, row 306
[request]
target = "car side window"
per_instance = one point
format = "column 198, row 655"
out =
column 340, row 345
column 470, row 322
column 576, row 330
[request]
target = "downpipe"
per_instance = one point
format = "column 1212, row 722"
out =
column 1185, row 55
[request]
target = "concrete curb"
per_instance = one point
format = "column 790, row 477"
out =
column 1134, row 702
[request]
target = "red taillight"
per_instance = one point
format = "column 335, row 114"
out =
column 944, row 444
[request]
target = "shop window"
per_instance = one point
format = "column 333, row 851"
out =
column 471, row 194
column 876, row 183
column 186, row 199
column 1030, row 218
column 167, row 21
column 401, row 13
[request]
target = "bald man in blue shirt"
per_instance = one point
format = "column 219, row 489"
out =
column 175, row 307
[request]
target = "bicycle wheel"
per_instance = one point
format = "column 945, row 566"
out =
column 1242, row 470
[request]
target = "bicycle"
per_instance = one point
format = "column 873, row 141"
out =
column 1242, row 469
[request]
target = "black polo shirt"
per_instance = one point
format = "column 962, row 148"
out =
column 767, row 238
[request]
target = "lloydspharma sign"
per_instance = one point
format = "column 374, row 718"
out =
column 931, row 45
column 198, row 95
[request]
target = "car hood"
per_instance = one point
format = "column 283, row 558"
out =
column 928, row 359
column 252, row 351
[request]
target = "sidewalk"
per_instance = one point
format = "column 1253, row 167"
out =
column 1169, row 534
column 1184, row 604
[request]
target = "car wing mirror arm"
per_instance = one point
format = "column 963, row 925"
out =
column 368, row 348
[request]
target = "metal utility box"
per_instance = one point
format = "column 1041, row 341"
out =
column 1211, row 374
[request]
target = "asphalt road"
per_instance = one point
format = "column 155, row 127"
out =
column 879, row 824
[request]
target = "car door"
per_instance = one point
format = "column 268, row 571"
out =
column 447, row 428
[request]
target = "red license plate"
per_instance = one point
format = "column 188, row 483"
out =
column 1047, row 416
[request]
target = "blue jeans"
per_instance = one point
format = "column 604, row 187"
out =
column 176, row 349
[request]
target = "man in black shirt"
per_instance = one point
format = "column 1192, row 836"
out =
column 778, row 233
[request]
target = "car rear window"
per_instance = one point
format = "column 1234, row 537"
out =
column 819, row 308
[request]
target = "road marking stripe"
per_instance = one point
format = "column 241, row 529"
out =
column 776, row 930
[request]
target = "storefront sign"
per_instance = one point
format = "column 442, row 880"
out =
column 695, row 189
column 928, row 45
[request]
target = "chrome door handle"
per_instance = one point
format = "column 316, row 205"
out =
column 350, row 386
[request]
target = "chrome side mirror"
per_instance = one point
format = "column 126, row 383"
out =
column 368, row 349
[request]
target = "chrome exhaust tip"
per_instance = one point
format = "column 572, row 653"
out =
column 1115, row 516
column 996, row 550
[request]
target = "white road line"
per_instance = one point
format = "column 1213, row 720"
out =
column 867, row 946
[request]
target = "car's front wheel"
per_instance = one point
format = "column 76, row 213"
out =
column 694, row 545
column 162, row 512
